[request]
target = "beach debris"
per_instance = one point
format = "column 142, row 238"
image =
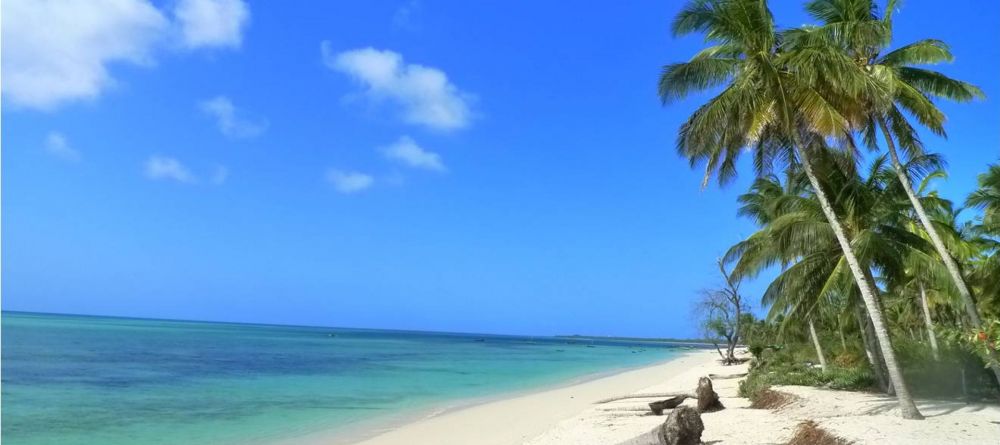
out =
column 658, row 406
column 682, row 427
column 648, row 395
column 771, row 399
column 708, row 399
column 727, row 376
column 809, row 433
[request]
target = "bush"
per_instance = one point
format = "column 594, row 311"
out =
column 851, row 379
column 767, row 374
column 849, row 359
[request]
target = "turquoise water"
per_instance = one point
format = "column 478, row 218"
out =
column 98, row 380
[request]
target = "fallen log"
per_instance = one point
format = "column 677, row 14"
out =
column 727, row 376
column 682, row 427
column 652, row 395
column 671, row 403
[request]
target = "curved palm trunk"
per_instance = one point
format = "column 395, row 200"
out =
column 956, row 275
column 908, row 409
column 928, row 322
column 819, row 348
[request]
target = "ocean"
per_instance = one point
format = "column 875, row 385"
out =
column 72, row 380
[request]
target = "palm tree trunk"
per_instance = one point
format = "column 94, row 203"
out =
column 843, row 340
column 956, row 275
column 819, row 348
column 928, row 322
column 908, row 409
column 872, row 351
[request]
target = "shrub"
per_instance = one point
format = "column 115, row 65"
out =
column 764, row 376
column 849, row 359
column 857, row 378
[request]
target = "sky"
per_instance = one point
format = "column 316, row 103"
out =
column 500, row 167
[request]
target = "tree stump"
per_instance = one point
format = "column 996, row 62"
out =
column 708, row 399
column 682, row 427
column 671, row 403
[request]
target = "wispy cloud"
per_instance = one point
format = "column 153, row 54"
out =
column 57, row 145
column 212, row 23
column 406, row 151
column 169, row 169
column 405, row 17
column 231, row 120
column 220, row 175
column 56, row 52
column 424, row 93
column 348, row 182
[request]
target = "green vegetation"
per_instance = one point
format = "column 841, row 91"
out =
column 883, row 284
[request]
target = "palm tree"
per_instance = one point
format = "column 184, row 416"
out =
column 987, row 199
column 770, row 102
column 986, row 236
column 854, row 25
column 926, row 279
column 795, row 235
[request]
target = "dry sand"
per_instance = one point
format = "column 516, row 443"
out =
column 572, row 416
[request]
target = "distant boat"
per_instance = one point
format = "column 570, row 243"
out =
column 480, row 340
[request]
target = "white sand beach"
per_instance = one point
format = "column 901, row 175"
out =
column 572, row 414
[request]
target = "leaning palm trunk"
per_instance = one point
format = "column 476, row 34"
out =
column 908, row 409
column 956, row 275
column 819, row 348
column 929, row 323
column 872, row 351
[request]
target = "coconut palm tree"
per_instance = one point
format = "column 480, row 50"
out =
column 855, row 26
column 770, row 101
column 986, row 237
column 796, row 236
column 987, row 199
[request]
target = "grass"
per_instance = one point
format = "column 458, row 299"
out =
column 809, row 433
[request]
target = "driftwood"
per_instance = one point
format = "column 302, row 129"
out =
column 623, row 410
column 682, row 427
column 727, row 376
column 708, row 399
column 671, row 403
column 652, row 395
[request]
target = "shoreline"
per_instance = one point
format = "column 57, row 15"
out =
column 571, row 414
column 499, row 420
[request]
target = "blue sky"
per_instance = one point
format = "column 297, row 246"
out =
column 465, row 166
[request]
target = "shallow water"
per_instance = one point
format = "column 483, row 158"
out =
column 100, row 380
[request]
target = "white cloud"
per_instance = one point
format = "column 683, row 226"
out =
column 406, row 151
column 220, row 175
column 165, row 168
column 57, row 51
column 230, row 120
column 424, row 93
column 212, row 23
column 349, row 182
column 60, row 51
column 57, row 145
